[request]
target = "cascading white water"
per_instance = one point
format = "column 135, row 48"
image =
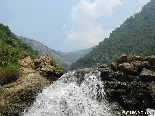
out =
column 72, row 95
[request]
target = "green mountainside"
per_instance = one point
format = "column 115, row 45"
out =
column 136, row 36
column 11, row 50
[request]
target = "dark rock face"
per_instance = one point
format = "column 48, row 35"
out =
column 130, row 81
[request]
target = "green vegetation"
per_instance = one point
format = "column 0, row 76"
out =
column 57, row 66
column 136, row 36
column 11, row 50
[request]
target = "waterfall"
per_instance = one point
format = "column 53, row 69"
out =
column 76, row 93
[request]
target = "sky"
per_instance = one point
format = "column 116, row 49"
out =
column 68, row 25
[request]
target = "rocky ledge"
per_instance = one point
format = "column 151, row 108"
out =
column 20, row 94
column 130, row 82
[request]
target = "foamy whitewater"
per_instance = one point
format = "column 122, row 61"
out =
column 72, row 96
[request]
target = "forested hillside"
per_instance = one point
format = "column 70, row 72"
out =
column 11, row 50
column 136, row 36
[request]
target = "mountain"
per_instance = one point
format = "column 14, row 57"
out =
column 11, row 50
column 44, row 51
column 74, row 56
column 136, row 36
column 66, row 59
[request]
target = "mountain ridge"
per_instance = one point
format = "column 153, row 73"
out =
column 134, row 37
column 74, row 56
column 62, row 58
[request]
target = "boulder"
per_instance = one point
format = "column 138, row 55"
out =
column 150, row 58
column 103, row 66
column 127, row 68
column 147, row 75
column 27, row 62
column 122, row 58
column 138, row 58
column 42, row 61
column 113, row 66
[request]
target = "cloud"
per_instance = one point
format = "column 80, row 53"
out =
column 85, row 31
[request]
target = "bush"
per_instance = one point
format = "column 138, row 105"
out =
column 57, row 66
column 9, row 74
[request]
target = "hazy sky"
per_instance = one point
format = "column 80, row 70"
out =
column 67, row 25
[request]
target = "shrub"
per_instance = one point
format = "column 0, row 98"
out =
column 9, row 74
column 57, row 66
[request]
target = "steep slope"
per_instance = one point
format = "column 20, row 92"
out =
column 11, row 50
column 136, row 36
column 44, row 50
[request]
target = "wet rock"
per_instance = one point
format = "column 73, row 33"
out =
column 130, row 81
column 108, row 74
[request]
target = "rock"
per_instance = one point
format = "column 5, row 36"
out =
column 42, row 64
column 109, row 75
column 150, row 58
column 147, row 75
column 113, row 66
column 146, row 64
column 138, row 58
column 130, row 81
column 27, row 62
column 127, row 68
column 122, row 58
column 103, row 66
column 47, row 71
column 21, row 93
column 132, row 96
column 43, row 61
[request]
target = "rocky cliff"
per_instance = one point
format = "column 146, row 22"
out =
column 130, row 82
column 20, row 94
